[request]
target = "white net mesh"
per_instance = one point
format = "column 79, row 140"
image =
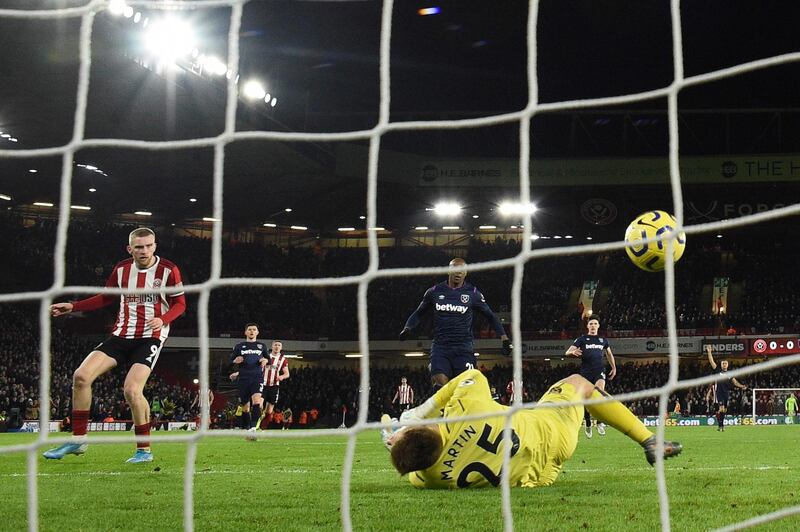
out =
column 87, row 14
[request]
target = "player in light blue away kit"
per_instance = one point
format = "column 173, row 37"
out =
column 453, row 302
column 590, row 348
column 249, row 355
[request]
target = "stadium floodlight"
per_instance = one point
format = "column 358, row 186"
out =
column 362, row 217
column 427, row 11
column 557, row 237
column 377, row 229
column 254, row 90
column 450, row 227
column 288, row 209
column 353, row 355
column 421, row 228
column 5, row 136
column 274, row 102
column 33, row 170
column 13, row 139
column 92, row 190
column 475, row 216
column 4, row 197
column 345, row 229
column 116, row 7
column 127, row 12
column 169, row 39
column 447, row 208
column 588, row 238
column 534, row 236
column 213, row 64
column 80, row 207
column 719, row 236
column 487, row 227
column 270, row 225
column 42, row 203
column 210, row 219
column 415, row 354
column 137, row 17
column 299, row 227
column 143, row 213
column 89, row 167
column 568, row 236
column 510, row 208
column 196, row 381
column 193, row 200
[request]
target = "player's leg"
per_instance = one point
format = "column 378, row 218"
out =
column 600, row 384
column 441, row 367
column 95, row 364
column 244, row 388
column 134, row 395
column 621, row 418
column 723, row 409
column 255, row 409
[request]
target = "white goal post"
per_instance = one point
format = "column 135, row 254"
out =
column 787, row 391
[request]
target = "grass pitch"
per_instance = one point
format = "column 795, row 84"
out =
column 721, row 478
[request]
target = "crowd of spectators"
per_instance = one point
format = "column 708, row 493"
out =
column 628, row 299
column 20, row 370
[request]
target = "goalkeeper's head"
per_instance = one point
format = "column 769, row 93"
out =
column 416, row 448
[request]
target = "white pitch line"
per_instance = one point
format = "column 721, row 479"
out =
column 305, row 471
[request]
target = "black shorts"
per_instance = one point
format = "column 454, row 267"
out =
column 452, row 360
column 270, row 394
column 405, row 406
column 247, row 388
column 134, row 350
column 593, row 374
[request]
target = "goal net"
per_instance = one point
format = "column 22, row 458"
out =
column 87, row 14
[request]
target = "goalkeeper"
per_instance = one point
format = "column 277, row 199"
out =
column 464, row 454
column 453, row 302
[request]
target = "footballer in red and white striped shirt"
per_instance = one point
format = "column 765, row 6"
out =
column 138, row 335
column 276, row 370
column 404, row 394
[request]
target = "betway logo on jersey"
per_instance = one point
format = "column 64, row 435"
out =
column 449, row 307
column 250, row 351
column 595, row 346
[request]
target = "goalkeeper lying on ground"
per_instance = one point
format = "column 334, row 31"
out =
column 469, row 453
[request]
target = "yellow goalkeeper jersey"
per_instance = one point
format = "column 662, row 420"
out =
column 542, row 439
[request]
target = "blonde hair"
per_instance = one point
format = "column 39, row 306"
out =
column 140, row 232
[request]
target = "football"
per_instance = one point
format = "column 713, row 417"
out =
column 651, row 256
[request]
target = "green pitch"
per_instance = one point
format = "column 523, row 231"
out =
column 294, row 484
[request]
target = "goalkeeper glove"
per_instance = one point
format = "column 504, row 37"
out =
column 507, row 347
column 404, row 333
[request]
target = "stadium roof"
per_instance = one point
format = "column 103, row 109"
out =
column 319, row 62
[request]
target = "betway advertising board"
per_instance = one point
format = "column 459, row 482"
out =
column 619, row 346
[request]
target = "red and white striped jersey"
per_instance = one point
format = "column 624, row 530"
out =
column 274, row 368
column 136, row 309
column 405, row 394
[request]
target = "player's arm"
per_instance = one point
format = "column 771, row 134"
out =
column 612, row 362
column 284, row 374
column 396, row 395
column 90, row 303
column 471, row 382
column 738, row 384
column 711, row 357
column 486, row 310
column 236, row 357
column 575, row 349
column 411, row 395
column 413, row 321
column 235, row 375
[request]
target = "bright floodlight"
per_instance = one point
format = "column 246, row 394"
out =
column 508, row 208
column 169, row 38
column 447, row 208
column 254, row 90
column 213, row 65
column 274, row 102
column 116, row 7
